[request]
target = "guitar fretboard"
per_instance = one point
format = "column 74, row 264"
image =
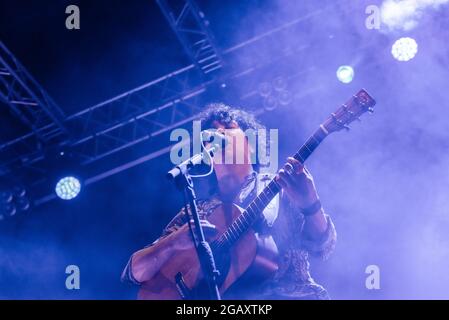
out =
column 251, row 214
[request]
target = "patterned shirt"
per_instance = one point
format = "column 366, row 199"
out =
column 285, row 223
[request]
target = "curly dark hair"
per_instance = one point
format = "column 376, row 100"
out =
column 227, row 116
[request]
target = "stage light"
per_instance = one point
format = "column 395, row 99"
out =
column 68, row 188
column 279, row 84
column 265, row 89
column 270, row 103
column 285, row 97
column 23, row 204
column 345, row 74
column 10, row 210
column 19, row 192
column 7, row 207
column 404, row 49
column 13, row 201
column 6, row 197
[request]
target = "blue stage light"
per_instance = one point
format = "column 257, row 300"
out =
column 345, row 74
column 68, row 188
column 404, row 49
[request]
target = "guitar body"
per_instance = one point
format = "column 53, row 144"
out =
column 251, row 258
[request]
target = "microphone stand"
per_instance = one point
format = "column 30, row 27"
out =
column 184, row 182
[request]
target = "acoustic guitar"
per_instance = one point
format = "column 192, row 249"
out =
column 239, row 251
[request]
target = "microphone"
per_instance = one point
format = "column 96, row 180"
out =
column 216, row 144
column 185, row 166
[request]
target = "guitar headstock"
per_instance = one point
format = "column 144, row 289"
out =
column 350, row 111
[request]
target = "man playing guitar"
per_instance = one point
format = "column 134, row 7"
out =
column 295, row 220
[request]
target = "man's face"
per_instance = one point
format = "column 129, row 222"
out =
column 237, row 150
column 233, row 164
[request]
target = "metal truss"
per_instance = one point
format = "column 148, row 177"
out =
column 27, row 101
column 160, row 105
column 118, row 123
column 137, row 115
column 132, row 117
column 192, row 29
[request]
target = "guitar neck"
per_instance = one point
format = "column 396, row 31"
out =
column 356, row 106
column 256, row 207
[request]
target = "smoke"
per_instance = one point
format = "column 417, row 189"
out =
column 37, row 264
column 384, row 184
column 405, row 14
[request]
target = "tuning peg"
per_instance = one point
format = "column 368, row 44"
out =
column 370, row 109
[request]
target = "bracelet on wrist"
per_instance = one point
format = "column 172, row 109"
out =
column 312, row 209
